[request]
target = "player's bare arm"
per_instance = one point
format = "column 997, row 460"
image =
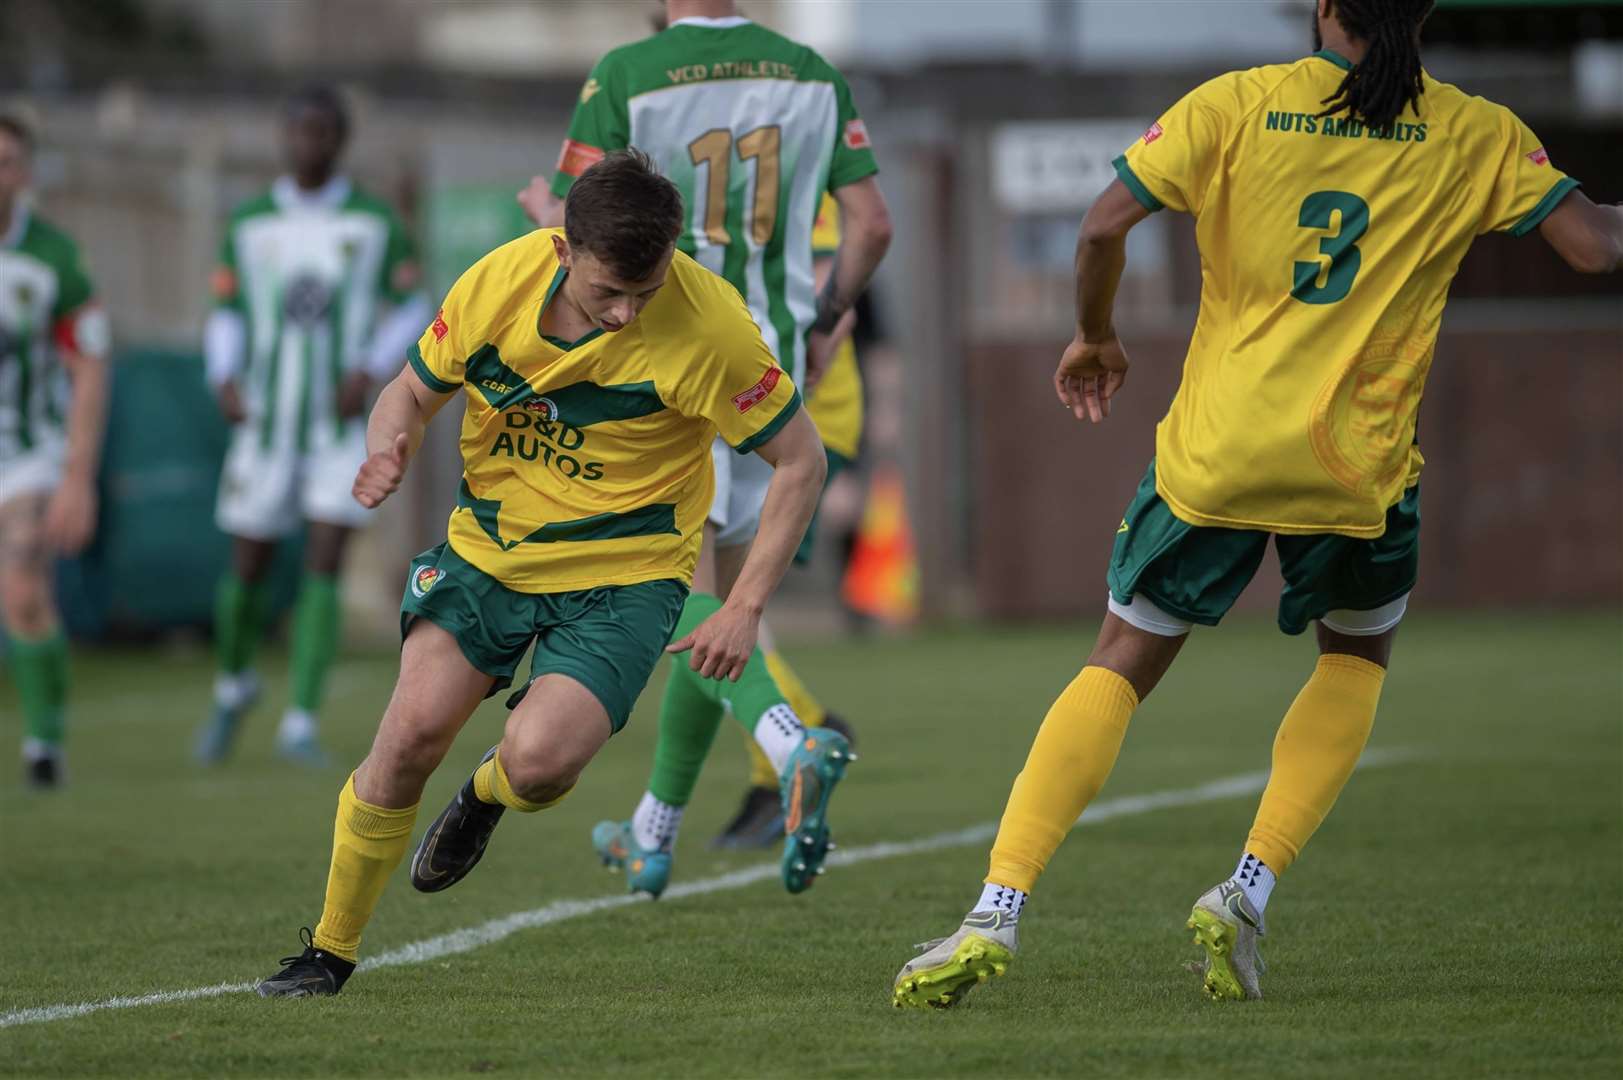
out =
column 541, row 205
column 393, row 434
column 721, row 645
column 70, row 519
column 1094, row 365
column 1588, row 236
column 865, row 235
column 820, row 348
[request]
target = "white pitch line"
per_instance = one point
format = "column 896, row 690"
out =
column 477, row 937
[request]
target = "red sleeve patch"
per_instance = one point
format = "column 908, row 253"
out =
column 439, row 328
column 223, row 283
column 856, row 135
column 577, row 157
column 759, row 392
column 83, row 330
column 1539, row 157
column 1153, row 133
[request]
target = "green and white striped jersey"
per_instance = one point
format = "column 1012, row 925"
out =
column 310, row 273
column 753, row 128
column 46, row 303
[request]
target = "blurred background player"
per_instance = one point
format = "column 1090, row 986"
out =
column 836, row 407
column 1334, row 198
column 753, row 128
column 50, row 442
column 297, row 338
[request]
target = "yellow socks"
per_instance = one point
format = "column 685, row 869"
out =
column 1075, row 750
column 367, row 844
column 491, row 785
column 806, row 707
column 1314, row 753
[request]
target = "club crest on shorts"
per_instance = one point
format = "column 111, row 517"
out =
column 424, row 579
column 544, row 408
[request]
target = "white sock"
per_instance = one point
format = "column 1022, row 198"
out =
column 297, row 726
column 654, row 824
column 778, row 732
column 40, row 750
column 232, row 690
column 1255, row 880
column 1004, row 898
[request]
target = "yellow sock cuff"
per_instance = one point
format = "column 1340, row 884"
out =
column 490, row 783
column 368, row 822
column 1343, row 665
column 1104, row 688
column 483, row 786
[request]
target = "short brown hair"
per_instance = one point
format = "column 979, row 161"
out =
column 624, row 212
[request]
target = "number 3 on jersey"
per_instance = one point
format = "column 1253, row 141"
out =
column 1341, row 248
column 715, row 149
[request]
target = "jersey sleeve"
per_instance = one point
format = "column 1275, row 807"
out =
column 853, row 152
column 73, row 288
column 78, row 322
column 735, row 383
column 601, row 123
column 440, row 356
column 1523, row 186
column 1174, row 162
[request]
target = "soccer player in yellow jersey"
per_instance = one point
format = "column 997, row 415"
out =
column 1333, row 200
column 598, row 365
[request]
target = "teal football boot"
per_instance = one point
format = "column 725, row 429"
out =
column 808, row 782
column 646, row 871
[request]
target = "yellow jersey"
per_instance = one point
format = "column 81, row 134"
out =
column 1327, row 249
column 835, row 403
column 587, row 463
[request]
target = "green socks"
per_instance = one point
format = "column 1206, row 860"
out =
column 239, row 618
column 41, row 670
column 315, row 638
column 691, row 710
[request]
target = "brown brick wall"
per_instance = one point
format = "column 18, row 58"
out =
column 1522, row 494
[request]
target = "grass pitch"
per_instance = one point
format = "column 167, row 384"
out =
column 1461, row 913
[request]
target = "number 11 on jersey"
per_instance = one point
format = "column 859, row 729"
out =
column 715, row 149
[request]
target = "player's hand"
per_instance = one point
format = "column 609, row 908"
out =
column 722, row 644
column 70, row 517
column 820, row 349
column 1089, row 374
column 352, row 394
column 535, row 196
column 381, row 474
column 231, row 406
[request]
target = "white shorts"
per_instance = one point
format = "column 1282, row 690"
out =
column 36, row 471
column 741, row 483
column 266, row 492
column 1153, row 619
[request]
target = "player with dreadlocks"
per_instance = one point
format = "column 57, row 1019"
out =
column 1333, row 198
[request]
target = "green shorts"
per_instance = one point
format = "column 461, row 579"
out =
column 608, row 638
column 1196, row 573
column 837, row 463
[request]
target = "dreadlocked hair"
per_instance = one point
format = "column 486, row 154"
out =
column 1388, row 79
